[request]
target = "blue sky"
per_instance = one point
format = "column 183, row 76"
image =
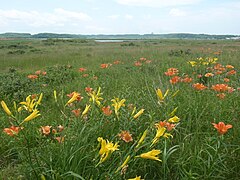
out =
column 121, row 16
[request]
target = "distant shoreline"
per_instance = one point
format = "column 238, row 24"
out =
column 5, row 36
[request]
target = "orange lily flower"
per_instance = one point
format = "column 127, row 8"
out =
column 171, row 72
column 31, row 76
column 220, row 87
column 221, row 95
column 229, row 66
column 221, row 127
column 107, row 111
column 88, row 89
column 226, row 80
column 209, row 75
column 104, row 66
column 187, row 80
column 232, row 72
column 175, row 79
column 137, row 63
column 46, row 130
column 125, row 136
column 199, row 86
column 82, row 69
column 76, row 112
column 38, row 72
column 13, row 130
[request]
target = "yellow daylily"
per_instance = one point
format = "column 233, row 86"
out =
column 134, row 110
column 75, row 96
column 33, row 115
column 173, row 112
column 117, row 104
column 193, row 63
column 5, row 108
column 40, row 99
column 55, row 95
column 174, row 119
column 29, row 104
column 160, row 95
column 151, row 155
column 167, row 135
column 160, row 132
column 136, row 178
column 86, row 110
column 139, row 113
column 124, row 163
column 95, row 97
column 106, row 149
column 142, row 138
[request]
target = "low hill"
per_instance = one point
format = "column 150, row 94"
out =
column 120, row 36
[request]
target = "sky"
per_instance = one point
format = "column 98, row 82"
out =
column 120, row 16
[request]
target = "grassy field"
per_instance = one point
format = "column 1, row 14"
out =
column 149, row 109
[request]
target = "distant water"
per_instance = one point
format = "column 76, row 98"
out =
column 110, row 40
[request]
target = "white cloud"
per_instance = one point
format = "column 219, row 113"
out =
column 58, row 17
column 70, row 14
column 128, row 17
column 177, row 12
column 92, row 29
column 114, row 16
column 157, row 3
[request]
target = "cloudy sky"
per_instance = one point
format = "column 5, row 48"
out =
column 121, row 16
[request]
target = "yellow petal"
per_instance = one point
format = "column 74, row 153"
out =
column 142, row 138
column 40, row 98
column 174, row 119
column 5, row 108
column 86, row 110
column 33, row 115
column 139, row 113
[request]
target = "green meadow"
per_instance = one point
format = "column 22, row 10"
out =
column 143, row 109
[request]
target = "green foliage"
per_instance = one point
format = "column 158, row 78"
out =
column 196, row 151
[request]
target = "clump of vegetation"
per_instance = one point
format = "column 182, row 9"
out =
column 180, row 52
column 129, row 44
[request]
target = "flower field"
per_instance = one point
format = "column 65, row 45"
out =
column 155, row 109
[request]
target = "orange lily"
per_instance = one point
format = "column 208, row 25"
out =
column 221, row 127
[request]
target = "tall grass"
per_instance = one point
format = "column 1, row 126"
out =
column 196, row 150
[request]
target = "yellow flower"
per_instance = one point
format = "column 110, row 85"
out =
column 193, row 63
column 75, row 96
column 174, row 94
column 124, row 163
column 28, row 105
column 174, row 119
column 106, row 149
column 160, row 132
column 86, row 110
column 151, row 155
column 167, row 135
column 160, row 95
column 40, row 99
column 139, row 113
column 95, row 97
column 55, row 95
column 5, row 108
column 136, row 178
column 173, row 112
column 31, row 116
column 134, row 110
column 117, row 104
column 142, row 138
